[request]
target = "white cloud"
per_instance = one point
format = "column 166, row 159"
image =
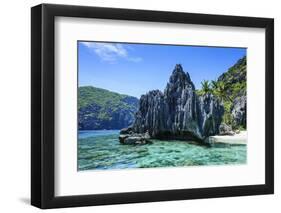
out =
column 110, row 52
column 134, row 59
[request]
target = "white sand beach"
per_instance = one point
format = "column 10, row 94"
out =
column 240, row 138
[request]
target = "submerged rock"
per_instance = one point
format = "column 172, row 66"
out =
column 134, row 138
column 122, row 138
column 178, row 113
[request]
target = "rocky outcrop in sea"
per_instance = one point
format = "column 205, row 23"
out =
column 178, row 112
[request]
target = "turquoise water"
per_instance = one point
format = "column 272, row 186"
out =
column 100, row 149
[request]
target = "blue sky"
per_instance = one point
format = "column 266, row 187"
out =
column 134, row 69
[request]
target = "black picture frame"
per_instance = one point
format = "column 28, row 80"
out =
column 43, row 111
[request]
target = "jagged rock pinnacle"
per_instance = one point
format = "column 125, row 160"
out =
column 178, row 113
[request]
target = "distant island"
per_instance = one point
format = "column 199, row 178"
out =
column 102, row 109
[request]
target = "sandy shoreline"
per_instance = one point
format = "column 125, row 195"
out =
column 239, row 139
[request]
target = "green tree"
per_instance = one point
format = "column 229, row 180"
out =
column 220, row 90
column 214, row 84
column 206, row 87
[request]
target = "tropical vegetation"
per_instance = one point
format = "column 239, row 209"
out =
column 227, row 87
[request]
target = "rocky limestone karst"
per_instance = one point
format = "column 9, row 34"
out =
column 178, row 113
column 239, row 110
column 210, row 115
column 128, row 137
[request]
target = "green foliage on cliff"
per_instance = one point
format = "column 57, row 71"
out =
column 101, row 97
column 235, row 83
column 234, row 79
column 102, row 109
column 230, row 85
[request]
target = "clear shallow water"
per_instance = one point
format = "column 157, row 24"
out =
column 100, row 149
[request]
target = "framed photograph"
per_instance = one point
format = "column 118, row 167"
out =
column 139, row 106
